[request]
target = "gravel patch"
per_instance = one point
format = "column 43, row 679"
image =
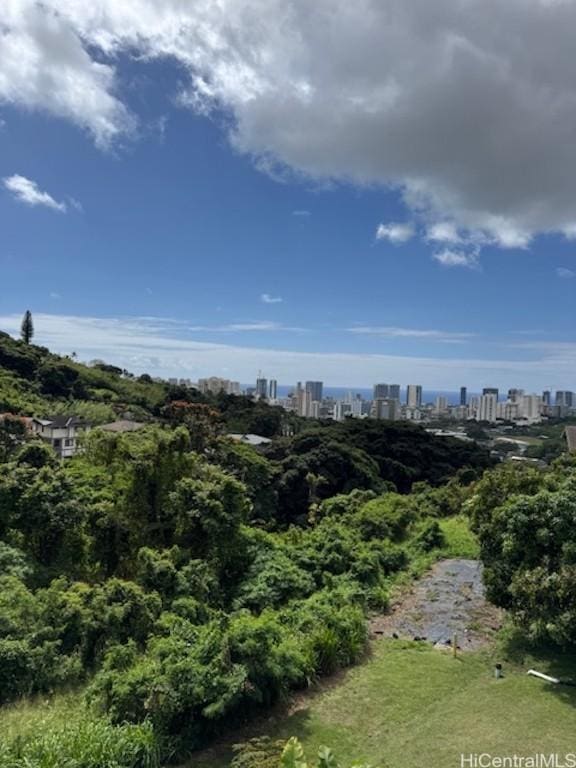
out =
column 449, row 600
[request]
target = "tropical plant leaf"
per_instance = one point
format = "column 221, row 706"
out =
column 293, row 755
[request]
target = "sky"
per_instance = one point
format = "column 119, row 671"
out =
column 377, row 191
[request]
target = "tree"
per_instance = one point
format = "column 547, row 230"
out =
column 528, row 548
column 27, row 328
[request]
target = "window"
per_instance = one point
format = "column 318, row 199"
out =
column 69, row 442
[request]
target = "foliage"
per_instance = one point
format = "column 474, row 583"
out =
column 336, row 458
column 191, row 581
column 528, row 545
column 293, row 757
column 27, row 327
column 89, row 744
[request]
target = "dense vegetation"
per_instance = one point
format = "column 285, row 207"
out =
column 526, row 524
column 185, row 581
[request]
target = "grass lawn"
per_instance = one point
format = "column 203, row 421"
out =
column 411, row 706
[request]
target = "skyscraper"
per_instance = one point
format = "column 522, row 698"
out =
column 315, row 390
column 441, row 405
column 491, row 391
column 414, row 396
column 488, row 407
column 273, row 389
column 514, row 395
column 381, row 391
column 463, row 396
column 262, row 387
column 564, row 399
column 546, row 397
column 387, row 408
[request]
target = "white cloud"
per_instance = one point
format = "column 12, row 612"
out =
column 469, row 109
column 395, row 233
column 155, row 345
column 54, row 295
column 410, row 333
column 457, row 258
column 443, row 232
column 45, row 64
column 266, row 298
column 27, row 191
column 302, row 213
column 260, row 325
column 565, row 273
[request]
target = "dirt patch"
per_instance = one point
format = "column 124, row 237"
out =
column 449, row 600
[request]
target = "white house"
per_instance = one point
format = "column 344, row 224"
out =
column 62, row 432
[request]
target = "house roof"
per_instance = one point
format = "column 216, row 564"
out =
column 570, row 433
column 250, row 439
column 62, row 422
column 122, row 425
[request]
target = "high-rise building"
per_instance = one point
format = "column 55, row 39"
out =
column 306, row 404
column 514, row 395
column 356, row 407
column 414, row 396
column 487, row 410
column 508, row 411
column 262, row 387
column 565, row 399
column 273, row 389
column 387, row 408
column 530, row 407
column 341, row 410
column 315, row 390
column 546, row 397
column 215, row 385
column 381, row 391
column 441, row 405
column 491, row 391
column 463, row 396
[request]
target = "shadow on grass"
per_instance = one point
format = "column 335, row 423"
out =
column 279, row 726
column 551, row 660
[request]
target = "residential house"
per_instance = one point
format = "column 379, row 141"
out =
column 61, row 432
column 570, row 435
column 254, row 440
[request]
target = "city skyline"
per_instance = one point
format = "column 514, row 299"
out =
column 162, row 347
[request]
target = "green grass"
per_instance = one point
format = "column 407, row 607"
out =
column 29, row 716
column 61, row 732
column 460, row 541
column 411, row 706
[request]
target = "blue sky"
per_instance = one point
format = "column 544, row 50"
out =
column 191, row 239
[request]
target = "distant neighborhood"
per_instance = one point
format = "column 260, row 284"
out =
column 64, row 433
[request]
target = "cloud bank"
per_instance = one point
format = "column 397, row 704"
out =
column 160, row 347
column 467, row 108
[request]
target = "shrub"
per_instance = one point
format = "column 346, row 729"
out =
column 430, row 536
